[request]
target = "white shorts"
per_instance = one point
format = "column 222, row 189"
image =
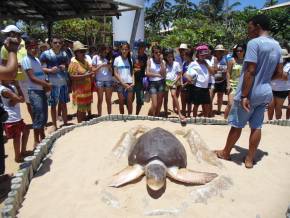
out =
column 23, row 84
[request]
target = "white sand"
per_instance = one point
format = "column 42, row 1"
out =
column 73, row 182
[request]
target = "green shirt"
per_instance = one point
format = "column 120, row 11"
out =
column 21, row 53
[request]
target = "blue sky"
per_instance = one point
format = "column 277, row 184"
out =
column 244, row 3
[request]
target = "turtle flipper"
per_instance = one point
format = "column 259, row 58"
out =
column 190, row 177
column 127, row 141
column 127, row 175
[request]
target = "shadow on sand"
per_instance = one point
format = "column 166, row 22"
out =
column 44, row 168
column 239, row 157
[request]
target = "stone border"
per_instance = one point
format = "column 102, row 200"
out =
column 280, row 122
column 20, row 183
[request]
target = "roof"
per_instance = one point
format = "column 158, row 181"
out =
column 53, row 10
column 286, row 4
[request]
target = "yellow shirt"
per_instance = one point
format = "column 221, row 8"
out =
column 21, row 53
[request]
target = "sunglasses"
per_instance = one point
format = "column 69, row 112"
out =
column 239, row 50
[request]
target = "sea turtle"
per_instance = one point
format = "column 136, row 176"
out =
column 157, row 154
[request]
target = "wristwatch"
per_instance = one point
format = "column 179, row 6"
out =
column 244, row 97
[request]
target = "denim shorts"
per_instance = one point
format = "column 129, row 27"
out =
column 156, row 86
column 59, row 94
column 39, row 108
column 121, row 89
column 238, row 117
column 104, row 84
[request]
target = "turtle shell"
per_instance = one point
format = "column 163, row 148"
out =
column 158, row 144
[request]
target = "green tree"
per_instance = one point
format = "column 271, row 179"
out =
column 183, row 9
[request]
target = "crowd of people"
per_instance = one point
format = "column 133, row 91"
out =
column 49, row 75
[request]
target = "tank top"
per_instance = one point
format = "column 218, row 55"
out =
column 155, row 68
column 236, row 72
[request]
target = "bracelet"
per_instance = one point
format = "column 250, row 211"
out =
column 244, row 97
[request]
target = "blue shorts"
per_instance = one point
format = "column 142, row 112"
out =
column 156, row 87
column 59, row 94
column 104, row 84
column 238, row 117
column 121, row 89
column 39, row 107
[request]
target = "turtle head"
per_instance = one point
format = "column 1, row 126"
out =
column 155, row 172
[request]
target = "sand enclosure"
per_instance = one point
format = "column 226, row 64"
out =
column 73, row 180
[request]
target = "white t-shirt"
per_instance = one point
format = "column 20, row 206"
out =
column 13, row 111
column 172, row 71
column 104, row 74
column 32, row 63
column 123, row 68
column 202, row 74
column 155, row 68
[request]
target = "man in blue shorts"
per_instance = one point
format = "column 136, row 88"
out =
column 54, row 63
column 254, row 91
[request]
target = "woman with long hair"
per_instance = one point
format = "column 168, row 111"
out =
column 123, row 72
column 234, row 71
column 104, row 79
column 173, row 79
column 156, row 72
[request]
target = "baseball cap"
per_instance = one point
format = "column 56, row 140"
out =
column 11, row 28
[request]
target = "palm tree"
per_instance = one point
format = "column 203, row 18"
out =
column 183, row 8
column 159, row 14
column 269, row 3
column 215, row 9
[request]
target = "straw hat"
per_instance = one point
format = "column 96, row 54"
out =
column 219, row 48
column 79, row 46
column 284, row 53
column 183, row 46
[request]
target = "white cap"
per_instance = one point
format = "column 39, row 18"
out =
column 11, row 28
column 183, row 46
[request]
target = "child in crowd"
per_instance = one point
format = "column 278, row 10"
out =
column 54, row 63
column 123, row 71
column 37, row 88
column 187, row 86
column 14, row 127
column 104, row 79
column 200, row 94
column 173, row 80
column 156, row 71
